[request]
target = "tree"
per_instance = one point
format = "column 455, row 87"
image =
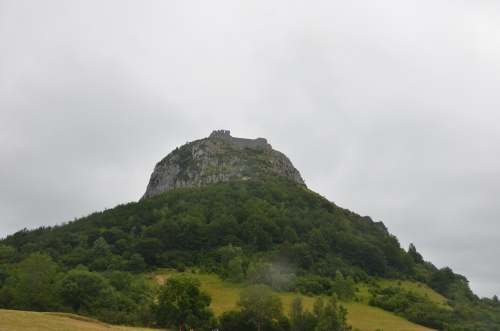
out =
column 259, row 273
column 149, row 248
column 333, row 317
column 262, row 308
column 80, row 288
column 36, row 289
column 344, row 287
column 301, row 320
column 7, row 295
column 233, row 320
column 227, row 253
column 235, row 271
column 290, row 235
column 415, row 255
column 136, row 263
column 100, row 248
column 317, row 243
column 441, row 280
column 302, row 256
column 7, row 253
column 182, row 303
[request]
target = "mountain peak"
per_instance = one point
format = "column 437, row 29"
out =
column 219, row 158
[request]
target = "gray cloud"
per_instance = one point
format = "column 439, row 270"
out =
column 387, row 108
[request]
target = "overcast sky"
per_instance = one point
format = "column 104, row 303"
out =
column 388, row 108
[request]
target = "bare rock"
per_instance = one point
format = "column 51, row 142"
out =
column 380, row 225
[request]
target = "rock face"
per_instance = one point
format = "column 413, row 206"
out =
column 215, row 159
column 380, row 225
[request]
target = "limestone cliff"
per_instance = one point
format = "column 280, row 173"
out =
column 214, row 160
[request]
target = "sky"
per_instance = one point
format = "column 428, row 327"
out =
column 387, row 108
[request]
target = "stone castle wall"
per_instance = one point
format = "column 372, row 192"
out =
column 242, row 142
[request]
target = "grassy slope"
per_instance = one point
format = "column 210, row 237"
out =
column 360, row 314
column 14, row 320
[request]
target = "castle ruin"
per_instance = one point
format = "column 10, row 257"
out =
column 242, row 142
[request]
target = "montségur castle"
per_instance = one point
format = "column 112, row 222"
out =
column 219, row 158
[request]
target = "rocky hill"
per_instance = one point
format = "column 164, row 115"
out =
column 219, row 158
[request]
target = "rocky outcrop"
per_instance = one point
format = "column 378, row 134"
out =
column 381, row 226
column 214, row 160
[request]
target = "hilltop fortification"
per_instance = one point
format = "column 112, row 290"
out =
column 242, row 142
column 219, row 158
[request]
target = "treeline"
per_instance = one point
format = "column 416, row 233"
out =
column 39, row 284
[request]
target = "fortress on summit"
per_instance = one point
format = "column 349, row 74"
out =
column 242, row 142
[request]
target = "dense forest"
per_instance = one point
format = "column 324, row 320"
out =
column 269, row 231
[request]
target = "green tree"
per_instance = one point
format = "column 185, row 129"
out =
column 7, row 253
column 36, row 289
column 233, row 320
column 80, row 288
column 317, row 243
column 149, row 248
column 100, row 248
column 4, row 273
column 295, row 314
column 182, row 303
column 7, row 295
column 227, row 253
column 301, row 320
column 261, row 308
column 318, row 306
column 417, row 258
column 136, row 263
column 303, row 257
column 235, row 271
column 333, row 317
column 259, row 273
column 252, row 274
column 441, row 280
column 344, row 287
column 290, row 235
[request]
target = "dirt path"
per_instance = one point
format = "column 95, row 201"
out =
column 160, row 279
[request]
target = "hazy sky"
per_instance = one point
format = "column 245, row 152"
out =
column 388, row 108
